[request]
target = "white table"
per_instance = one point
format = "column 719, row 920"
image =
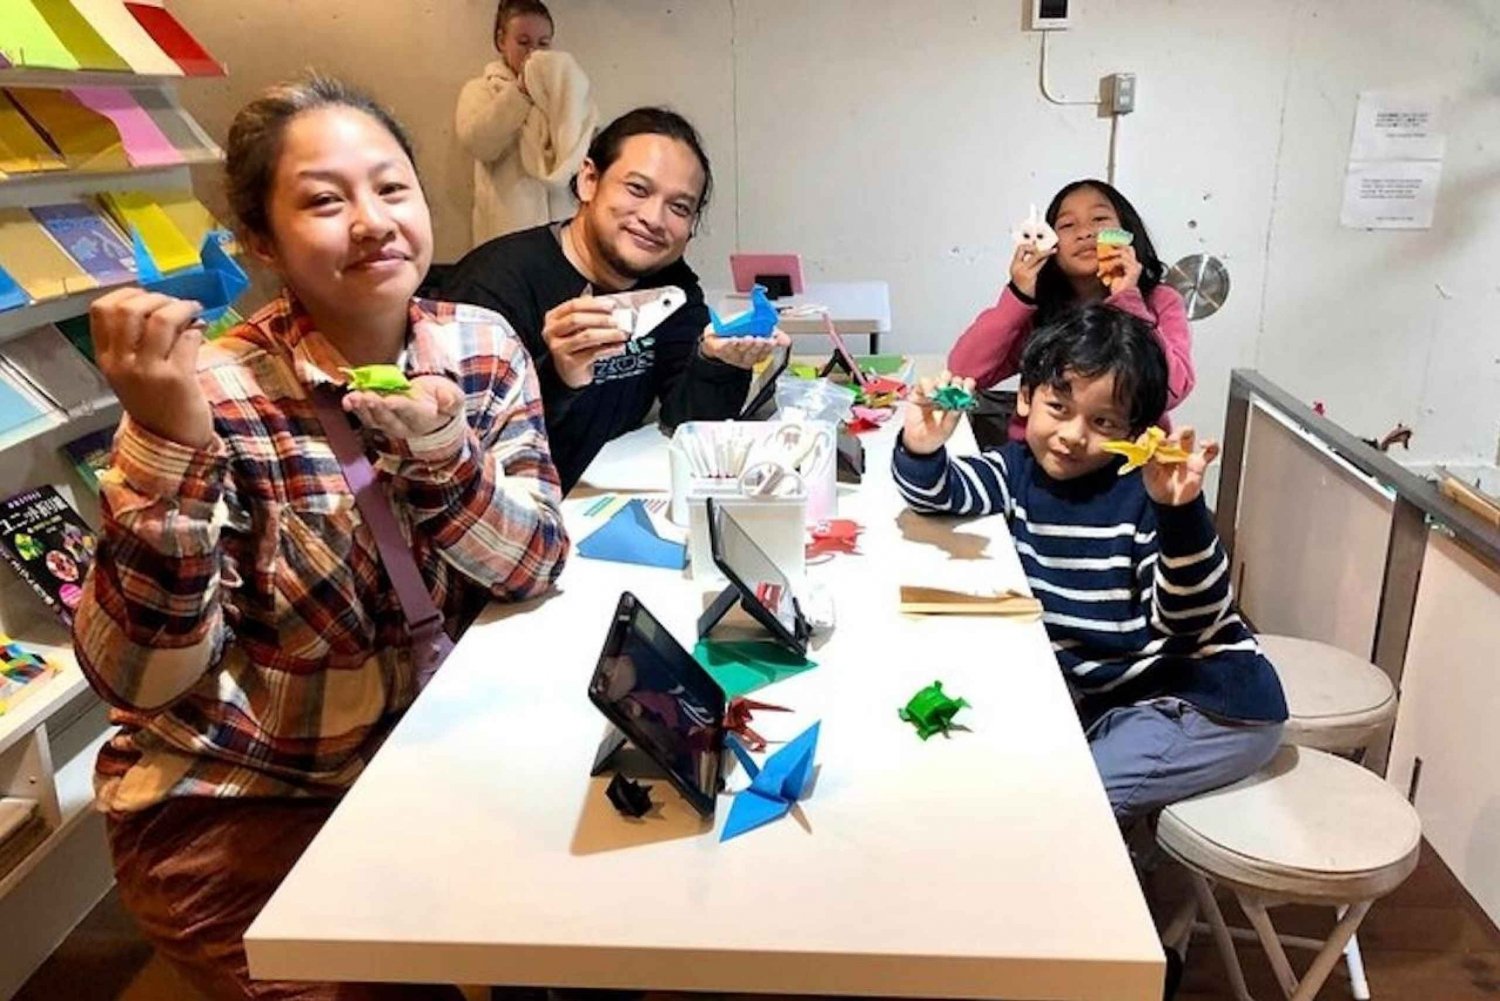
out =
column 477, row 849
column 859, row 309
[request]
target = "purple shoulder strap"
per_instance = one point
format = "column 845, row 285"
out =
column 430, row 644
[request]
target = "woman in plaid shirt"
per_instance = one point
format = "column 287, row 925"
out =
column 238, row 617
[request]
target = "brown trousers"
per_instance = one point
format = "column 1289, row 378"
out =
column 195, row 872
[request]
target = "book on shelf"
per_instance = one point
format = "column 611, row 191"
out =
column 55, row 371
column 22, row 672
column 49, row 545
column 91, row 455
column 90, row 239
column 22, row 828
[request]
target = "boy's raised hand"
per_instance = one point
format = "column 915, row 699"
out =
column 926, row 428
column 1176, row 483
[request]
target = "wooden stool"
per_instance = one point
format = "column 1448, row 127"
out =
column 1336, row 701
column 1310, row 827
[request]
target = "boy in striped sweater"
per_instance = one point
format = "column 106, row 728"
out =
column 1172, row 689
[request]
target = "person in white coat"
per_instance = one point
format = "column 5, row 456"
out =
column 527, row 121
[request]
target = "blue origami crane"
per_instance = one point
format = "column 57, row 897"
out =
column 216, row 284
column 775, row 787
column 757, row 321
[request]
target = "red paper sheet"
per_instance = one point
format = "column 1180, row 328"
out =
column 174, row 40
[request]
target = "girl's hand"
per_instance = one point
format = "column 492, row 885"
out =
column 1025, row 264
column 432, row 402
column 1174, row 484
column 926, row 428
column 1120, row 271
column 741, row 352
column 147, row 346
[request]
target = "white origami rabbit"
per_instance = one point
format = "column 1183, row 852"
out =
column 1036, row 232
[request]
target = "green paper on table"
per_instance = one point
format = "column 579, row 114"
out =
column 953, row 398
column 742, row 666
column 383, row 379
column 931, row 710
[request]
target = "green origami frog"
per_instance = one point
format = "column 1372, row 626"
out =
column 953, row 398
column 383, row 379
column 930, row 711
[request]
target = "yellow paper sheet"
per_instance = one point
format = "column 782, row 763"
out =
column 75, row 32
column 124, row 34
column 27, row 40
column 35, row 261
column 137, row 212
column 191, row 217
column 22, row 150
column 86, row 139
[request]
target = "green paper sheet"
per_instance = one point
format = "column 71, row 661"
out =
column 26, row 39
column 75, row 32
column 743, row 666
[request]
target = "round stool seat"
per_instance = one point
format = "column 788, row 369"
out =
column 1335, row 700
column 1308, row 827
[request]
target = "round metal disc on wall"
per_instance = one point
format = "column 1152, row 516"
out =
column 1203, row 283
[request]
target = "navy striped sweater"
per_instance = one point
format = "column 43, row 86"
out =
column 1135, row 595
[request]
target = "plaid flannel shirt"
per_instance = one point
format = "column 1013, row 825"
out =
column 238, row 617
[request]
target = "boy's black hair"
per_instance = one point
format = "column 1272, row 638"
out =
column 1054, row 292
column 605, row 148
column 1094, row 339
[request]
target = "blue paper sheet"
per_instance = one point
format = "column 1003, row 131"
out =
column 774, row 787
column 15, row 409
column 11, row 294
column 629, row 537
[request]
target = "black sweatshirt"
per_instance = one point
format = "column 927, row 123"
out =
column 523, row 275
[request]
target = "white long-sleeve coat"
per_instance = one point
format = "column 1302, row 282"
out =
column 526, row 149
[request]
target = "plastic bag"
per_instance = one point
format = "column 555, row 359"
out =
column 813, row 400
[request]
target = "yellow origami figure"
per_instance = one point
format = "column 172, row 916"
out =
column 1149, row 447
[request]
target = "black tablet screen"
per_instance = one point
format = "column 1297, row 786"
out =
column 662, row 699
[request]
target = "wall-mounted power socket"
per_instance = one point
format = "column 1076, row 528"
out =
column 1119, row 93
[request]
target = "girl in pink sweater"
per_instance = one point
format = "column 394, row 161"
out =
column 1043, row 285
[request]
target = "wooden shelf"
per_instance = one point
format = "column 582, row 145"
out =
column 21, row 76
column 75, row 790
column 23, row 318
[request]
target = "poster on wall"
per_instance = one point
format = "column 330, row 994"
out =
column 1395, row 161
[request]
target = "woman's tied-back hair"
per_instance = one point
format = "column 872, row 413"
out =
column 1092, row 340
column 515, row 8
column 255, row 139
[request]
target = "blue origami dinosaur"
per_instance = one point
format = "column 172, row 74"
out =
column 215, row 284
column 775, row 787
column 757, row 321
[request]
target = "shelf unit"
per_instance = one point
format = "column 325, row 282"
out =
column 50, row 739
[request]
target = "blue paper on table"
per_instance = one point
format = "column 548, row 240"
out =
column 774, row 787
column 11, row 294
column 757, row 321
column 216, row 284
column 629, row 537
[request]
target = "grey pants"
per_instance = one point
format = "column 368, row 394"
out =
column 1159, row 752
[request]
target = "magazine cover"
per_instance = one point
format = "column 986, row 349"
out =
column 49, row 545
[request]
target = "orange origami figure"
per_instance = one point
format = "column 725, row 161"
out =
column 1149, row 447
column 1107, row 247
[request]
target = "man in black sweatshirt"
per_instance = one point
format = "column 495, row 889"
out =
column 641, row 192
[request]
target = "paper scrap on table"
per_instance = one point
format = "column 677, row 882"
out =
column 743, row 666
column 629, row 537
column 940, row 601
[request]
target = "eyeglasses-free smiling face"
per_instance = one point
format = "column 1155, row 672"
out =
column 350, row 231
column 1068, row 422
column 639, row 214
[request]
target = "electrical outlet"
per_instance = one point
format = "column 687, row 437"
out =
column 1119, row 91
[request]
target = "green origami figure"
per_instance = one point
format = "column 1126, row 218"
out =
column 953, row 398
column 930, row 711
column 383, row 379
